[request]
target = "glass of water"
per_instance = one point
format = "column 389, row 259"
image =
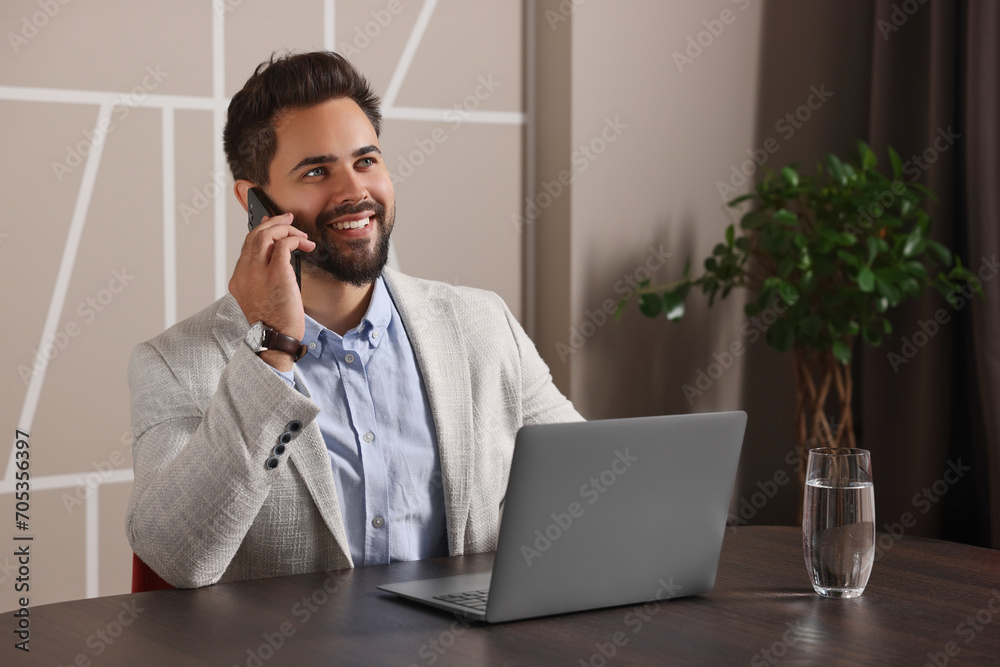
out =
column 838, row 521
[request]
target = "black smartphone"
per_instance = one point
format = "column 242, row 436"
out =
column 260, row 207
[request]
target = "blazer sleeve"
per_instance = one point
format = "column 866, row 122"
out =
column 541, row 400
column 200, row 453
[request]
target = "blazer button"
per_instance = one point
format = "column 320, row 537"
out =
column 285, row 438
column 271, row 463
column 293, row 426
column 278, row 450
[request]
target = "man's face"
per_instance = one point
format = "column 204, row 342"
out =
column 329, row 173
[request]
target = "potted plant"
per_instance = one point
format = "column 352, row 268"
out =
column 831, row 254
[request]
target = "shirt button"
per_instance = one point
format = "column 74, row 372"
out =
column 378, row 522
column 368, row 437
column 376, row 334
column 349, row 358
column 312, row 345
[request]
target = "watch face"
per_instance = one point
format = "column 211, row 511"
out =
column 255, row 336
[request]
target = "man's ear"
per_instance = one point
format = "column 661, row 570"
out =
column 240, row 189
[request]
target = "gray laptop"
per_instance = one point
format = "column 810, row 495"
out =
column 603, row 513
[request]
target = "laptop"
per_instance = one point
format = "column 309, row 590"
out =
column 602, row 513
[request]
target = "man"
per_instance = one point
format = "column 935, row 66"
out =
column 375, row 420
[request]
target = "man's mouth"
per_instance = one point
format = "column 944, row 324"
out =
column 352, row 224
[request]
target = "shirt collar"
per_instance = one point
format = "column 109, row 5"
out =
column 376, row 319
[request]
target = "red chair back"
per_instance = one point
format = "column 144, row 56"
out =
column 144, row 579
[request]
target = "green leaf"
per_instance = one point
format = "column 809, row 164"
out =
column 842, row 352
column 710, row 264
column 621, row 308
column 836, row 169
column 897, row 164
column 866, row 279
column 914, row 243
column 805, row 260
column 719, row 249
column 871, row 335
column 730, row 235
column 781, row 335
column 868, row 160
column 785, row 216
column 916, row 269
column 909, row 287
column 739, row 200
column 872, row 249
column 941, row 252
column 650, row 304
column 791, row 176
column 888, row 290
column 850, row 259
column 673, row 302
column 742, row 243
column 753, row 220
column 788, row 293
column 923, row 190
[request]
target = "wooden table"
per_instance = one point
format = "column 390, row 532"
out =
column 925, row 599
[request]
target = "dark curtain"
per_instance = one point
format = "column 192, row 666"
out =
column 931, row 87
column 982, row 210
column 923, row 77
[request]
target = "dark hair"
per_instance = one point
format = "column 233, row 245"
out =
column 291, row 81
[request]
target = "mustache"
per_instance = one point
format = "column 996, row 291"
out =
column 374, row 207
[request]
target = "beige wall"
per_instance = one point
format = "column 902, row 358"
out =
column 152, row 203
column 659, row 137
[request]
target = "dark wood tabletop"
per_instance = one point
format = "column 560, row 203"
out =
column 927, row 603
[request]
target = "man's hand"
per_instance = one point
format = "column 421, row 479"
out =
column 264, row 284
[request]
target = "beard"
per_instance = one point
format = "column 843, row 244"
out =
column 355, row 263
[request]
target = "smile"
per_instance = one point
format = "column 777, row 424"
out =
column 352, row 224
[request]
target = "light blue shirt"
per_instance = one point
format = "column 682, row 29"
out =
column 379, row 432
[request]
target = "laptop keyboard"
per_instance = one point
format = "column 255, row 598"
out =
column 471, row 599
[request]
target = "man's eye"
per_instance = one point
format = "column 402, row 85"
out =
column 316, row 171
column 367, row 162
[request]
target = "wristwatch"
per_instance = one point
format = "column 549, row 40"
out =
column 261, row 337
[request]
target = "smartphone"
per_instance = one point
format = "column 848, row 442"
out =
column 260, row 207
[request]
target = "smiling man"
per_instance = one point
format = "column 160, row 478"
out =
column 369, row 417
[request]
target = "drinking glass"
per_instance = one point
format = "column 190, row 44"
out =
column 838, row 521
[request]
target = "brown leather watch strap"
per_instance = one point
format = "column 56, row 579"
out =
column 278, row 341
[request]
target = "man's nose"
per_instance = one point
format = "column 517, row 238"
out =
column 348, row 188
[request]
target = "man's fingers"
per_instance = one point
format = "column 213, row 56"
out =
column 254, row 242
column 260, row 241
column 282, row 248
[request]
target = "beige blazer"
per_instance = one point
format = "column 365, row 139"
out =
column 206, row 413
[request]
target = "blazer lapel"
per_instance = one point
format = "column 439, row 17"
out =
column 431, row 324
